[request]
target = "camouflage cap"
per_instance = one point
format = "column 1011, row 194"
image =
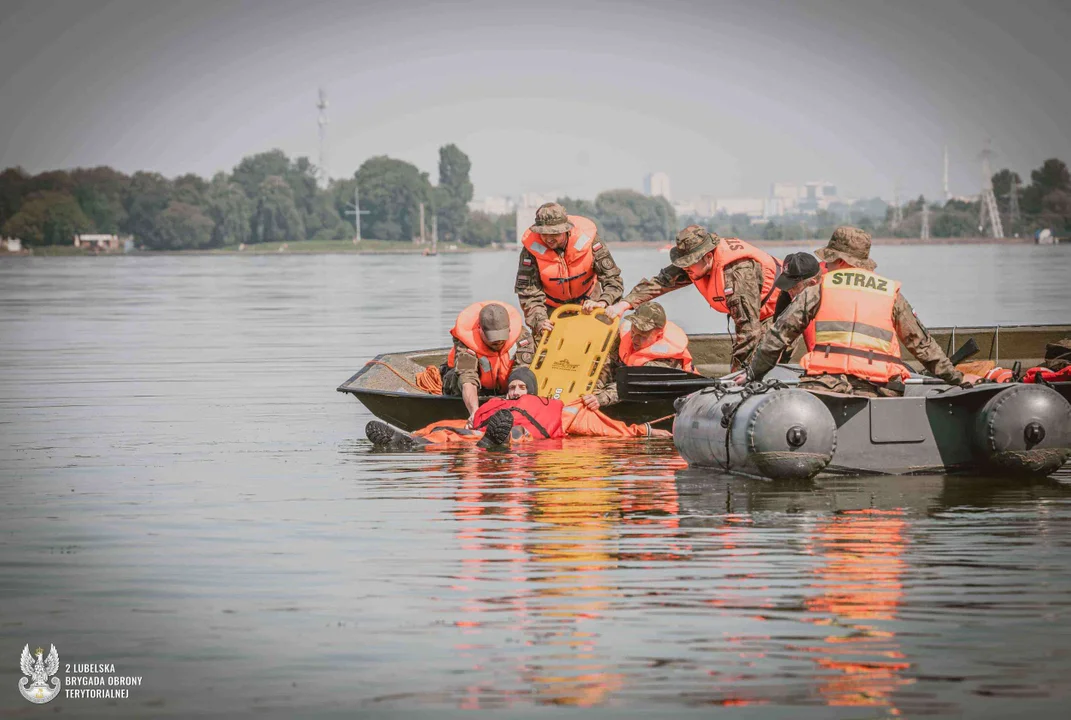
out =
column 494, row 323
column 647, row 317
column 693, row 242
column 551, row 219
column 849, row 244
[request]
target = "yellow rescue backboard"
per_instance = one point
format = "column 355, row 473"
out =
column 570, row 357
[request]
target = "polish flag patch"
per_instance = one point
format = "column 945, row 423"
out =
column 523, row 342
column 596, row 246
column 527, row 261
column 728, row 292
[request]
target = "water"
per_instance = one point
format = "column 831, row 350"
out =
column 187, row 497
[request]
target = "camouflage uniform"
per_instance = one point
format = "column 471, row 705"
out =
column 853, row 246
column 467, row 365
column 743, row 292
column 647, row 317
column 608, row 285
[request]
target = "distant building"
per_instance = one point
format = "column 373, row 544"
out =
column 656, row 184
column 493, row 205
column 11, row 245
column 104, row 243
column 526, row 207
column 802, row 199
column 753, row 207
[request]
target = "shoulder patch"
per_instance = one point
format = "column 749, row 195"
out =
column 527, row 261
column 728, row 292
column 523, row 342
column 596, row 246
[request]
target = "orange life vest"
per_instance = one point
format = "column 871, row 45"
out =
column 728, row 251
column 542, row 417
column 495, row 367
column 567, row 277
column 673, row 345
column 853, row 329
column 808, row 332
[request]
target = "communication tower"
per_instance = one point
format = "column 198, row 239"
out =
column 924, row 233
column 989, row 215
column 321, row 120
column 1013, row 204
column 944, row 184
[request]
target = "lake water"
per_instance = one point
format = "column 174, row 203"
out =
column 186, row 497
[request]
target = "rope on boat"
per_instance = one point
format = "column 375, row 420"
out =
column 756, row 387
column 403, row 377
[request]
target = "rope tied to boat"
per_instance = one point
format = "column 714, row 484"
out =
column 755, row 387
column 428, row 380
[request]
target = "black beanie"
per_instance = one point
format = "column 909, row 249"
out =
column 526, row 376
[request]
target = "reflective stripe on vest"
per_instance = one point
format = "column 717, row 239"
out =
column 853, row 331
column 730, row 250
column 494, row 366
column 567, row 276
column 673, row 345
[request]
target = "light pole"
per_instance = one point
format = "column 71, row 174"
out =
column 356, row 211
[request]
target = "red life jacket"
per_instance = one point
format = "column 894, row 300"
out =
column 495, row 366
column 729, row 250
column 542, row 417
column 853, row 328
column 567, row 277
column 1063, row 375
column 673, row 345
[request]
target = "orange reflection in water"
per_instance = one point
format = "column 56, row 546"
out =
column 859, row 582
column 567, row 510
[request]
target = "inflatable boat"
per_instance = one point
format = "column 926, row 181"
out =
column 773, row 429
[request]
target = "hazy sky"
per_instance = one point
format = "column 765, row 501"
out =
column 576, row 96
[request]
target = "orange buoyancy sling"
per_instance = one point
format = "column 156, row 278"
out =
column 542, row 417
column 567, row 276
column 726, row 252
column 673, row 345
column 853, row 329
column 494, row 366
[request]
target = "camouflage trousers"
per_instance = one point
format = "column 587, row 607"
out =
column 845, row 385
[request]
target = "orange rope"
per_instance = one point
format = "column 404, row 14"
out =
column 430, row 381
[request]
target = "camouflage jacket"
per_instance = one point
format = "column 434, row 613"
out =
column 529, row 286
column 467, row 364
column 801, row 312
column 606, row 385
column 743, row 286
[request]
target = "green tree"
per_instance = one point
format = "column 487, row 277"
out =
column 576, row 206
column 276, row 218
column 253, row 170
column 626, row 215
column 454, row 192
column 190, row 189
column 47, row 217
column 99, row 192
column 230, row 211
column 391, row 190
column 14, row 183
column 481, row 230
column 182, row 226
column 147, row 195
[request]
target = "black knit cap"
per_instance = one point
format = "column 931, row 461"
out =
column 526, row 376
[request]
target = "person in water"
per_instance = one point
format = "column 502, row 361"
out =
column 521, row 416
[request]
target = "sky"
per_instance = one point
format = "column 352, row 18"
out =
column 575, row 97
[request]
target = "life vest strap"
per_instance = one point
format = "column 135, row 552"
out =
column 535, row 423
column 870, row 355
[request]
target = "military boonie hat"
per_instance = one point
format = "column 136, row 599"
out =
column 797, row 268
column 647, row 317
column 693, row 242
column 494, row 323
column 551, row 219
column 851, row 245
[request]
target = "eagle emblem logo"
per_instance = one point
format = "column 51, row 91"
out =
column 35, row 688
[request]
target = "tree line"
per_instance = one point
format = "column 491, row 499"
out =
column 271, row 198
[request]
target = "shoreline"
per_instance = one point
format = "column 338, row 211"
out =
column 347, row 248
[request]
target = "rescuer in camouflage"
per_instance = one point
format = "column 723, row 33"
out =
column 648, row 317
column 743, row 288
column 851, row 246
column 552, row 223
column 494, row 325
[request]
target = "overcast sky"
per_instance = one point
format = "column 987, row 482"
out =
column 577, row 96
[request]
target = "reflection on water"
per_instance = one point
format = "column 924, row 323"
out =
column 187, row 497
